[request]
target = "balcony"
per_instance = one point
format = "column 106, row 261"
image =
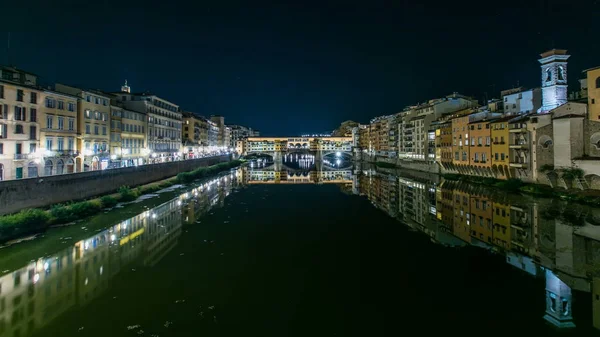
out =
column 21, row 156
column 58, row 131
column 62, row 153
column 519, row 163
column 518, row 130
column 518, row 145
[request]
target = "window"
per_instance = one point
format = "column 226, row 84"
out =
column 71, row 106
column 96, row 100
column 455, row 155
column 87, row 129
column 70, row 143
column 20, row 95
column 1, row 148
column 548, row 75
column 496, row 156
column 33, row 98
column 88, row 98
column 487, row 141
column 501, row 139
column 477, row 160
column 104, row 130
column 49, row 120
column 478, row 126
column 502, row 156
column 33, row 132
column 49, row 143
column 71, row 124
column 3, row 111
column 50, row 103
column 561, row 73
column 88, row 113
column 33, row 115
column 19, row 129
column 594, row 100
column 483, row 158
column 2, row 91
column 3, row 131
column 597, row 85
column 32, row 147
column 61, row 105
column 534, row 120
column 19, row 113
column 60, row 143
column 96, row 129
column 61, row 123
column 104, row 102
column 472, row 141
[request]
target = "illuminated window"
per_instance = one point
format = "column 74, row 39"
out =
column 548, row 75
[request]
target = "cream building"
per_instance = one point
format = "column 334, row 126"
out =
column 20, row 100
column 93, row 125
column 58, row 135
column 164, row 123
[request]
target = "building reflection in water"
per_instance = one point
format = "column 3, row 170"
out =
column 546, row 239
column 34, row 295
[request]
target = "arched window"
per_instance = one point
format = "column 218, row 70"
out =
column 561, row 73
column 60, row 166
column 548, row 75
column 598, row 82
column 32, row 170
column 70, row 166
column 48, row 168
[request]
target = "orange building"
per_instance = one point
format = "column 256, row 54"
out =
column 443, row 143
column 481, row 218
column 460, row 141
column 480, row 145
column 461, row 227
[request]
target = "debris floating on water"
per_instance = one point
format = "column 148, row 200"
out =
column 133, row 327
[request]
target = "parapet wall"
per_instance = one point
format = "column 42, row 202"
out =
column 19, row 194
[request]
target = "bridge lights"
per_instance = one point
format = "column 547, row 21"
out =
column 338, row 154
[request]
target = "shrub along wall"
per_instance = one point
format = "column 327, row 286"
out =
column 21, row 194
column 31, row 221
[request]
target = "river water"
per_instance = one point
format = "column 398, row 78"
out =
column 336, row 252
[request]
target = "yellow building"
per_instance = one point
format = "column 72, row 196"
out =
column 19, row 124
column 593, row 88
column 58, row 117
column 128, row 138
column 501, row 220
column 460, row 141
column 500, row 148
column 93, row 125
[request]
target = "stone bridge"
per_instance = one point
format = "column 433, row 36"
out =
column 276, row 146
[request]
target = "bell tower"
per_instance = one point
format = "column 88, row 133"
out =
column 554, row 79
column 126, row 88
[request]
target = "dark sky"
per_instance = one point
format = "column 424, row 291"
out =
column 296, row 67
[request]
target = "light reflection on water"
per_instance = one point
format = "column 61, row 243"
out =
column 549, row 240
column 44, row 289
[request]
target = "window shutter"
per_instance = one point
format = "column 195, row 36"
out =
column 5, row 111
column 24, row 114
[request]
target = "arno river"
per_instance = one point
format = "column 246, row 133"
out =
column 344, row 251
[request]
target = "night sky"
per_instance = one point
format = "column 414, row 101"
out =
column 299, row 66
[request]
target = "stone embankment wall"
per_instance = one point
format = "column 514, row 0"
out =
column 415, row 165
column 16, row 195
